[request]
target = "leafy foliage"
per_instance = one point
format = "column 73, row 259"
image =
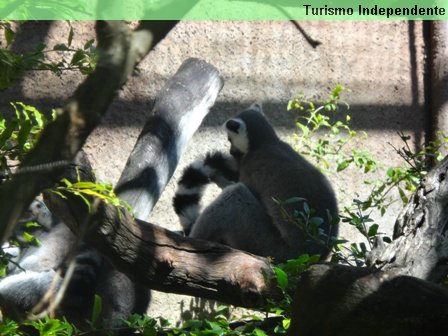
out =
column 325, row 138
column 87, row 190
column 288, row 275
column 13, row 65
column 330, row 151
column 18, row 135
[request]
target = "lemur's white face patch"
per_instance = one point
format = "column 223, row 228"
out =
column 39, row 212
column 237, row 134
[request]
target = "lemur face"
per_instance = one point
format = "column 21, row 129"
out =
column 237, row 136
column 238, row 132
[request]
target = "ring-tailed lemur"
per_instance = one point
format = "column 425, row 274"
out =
column 39, row 268
column 246, row 215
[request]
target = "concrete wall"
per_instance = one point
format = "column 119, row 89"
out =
column 383, row 64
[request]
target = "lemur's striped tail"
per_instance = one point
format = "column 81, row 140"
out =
column 215, row 167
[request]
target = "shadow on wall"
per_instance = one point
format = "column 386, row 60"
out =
column 409, row 118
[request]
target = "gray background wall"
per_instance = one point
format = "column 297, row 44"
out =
column 383, row 63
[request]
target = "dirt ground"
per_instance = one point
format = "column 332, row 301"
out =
column 382, row 63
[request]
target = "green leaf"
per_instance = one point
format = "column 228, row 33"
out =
column 61, row 195
column 314, row 259
column 290, row 105
column 66, row 182
column 373, row 230
column 282, row 278
column 259, row 332
column 6, row 134
column 343, row 165
column 84, row 185
column 292, row 200
column 28, row 237
column 24, row 133
column 317, row 221
column 305, row 130
column 403, row 196
column 387, row 240
column 89, row 44
column 286, row 323
column 78, row 58
column 306, row 208
column 97, row 308
column 61, row 47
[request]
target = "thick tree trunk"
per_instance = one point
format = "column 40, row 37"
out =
column 396, row 295
column 420, row 245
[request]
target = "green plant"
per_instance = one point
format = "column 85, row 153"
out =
column 320, row 136
column 84, row 190
column 308, row 222
column 288, row 274
column 18, row 135
column 324, row 137
column 52, row 327
column 9, row 327
column 13, row 65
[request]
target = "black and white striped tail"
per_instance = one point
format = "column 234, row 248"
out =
column 215, row 167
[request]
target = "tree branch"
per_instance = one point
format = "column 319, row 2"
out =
column 166, row 261
column 62, row 138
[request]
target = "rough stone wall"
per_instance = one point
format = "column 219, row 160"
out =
column 270, row 62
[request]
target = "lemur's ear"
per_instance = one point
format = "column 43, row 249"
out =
column 256, row 107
